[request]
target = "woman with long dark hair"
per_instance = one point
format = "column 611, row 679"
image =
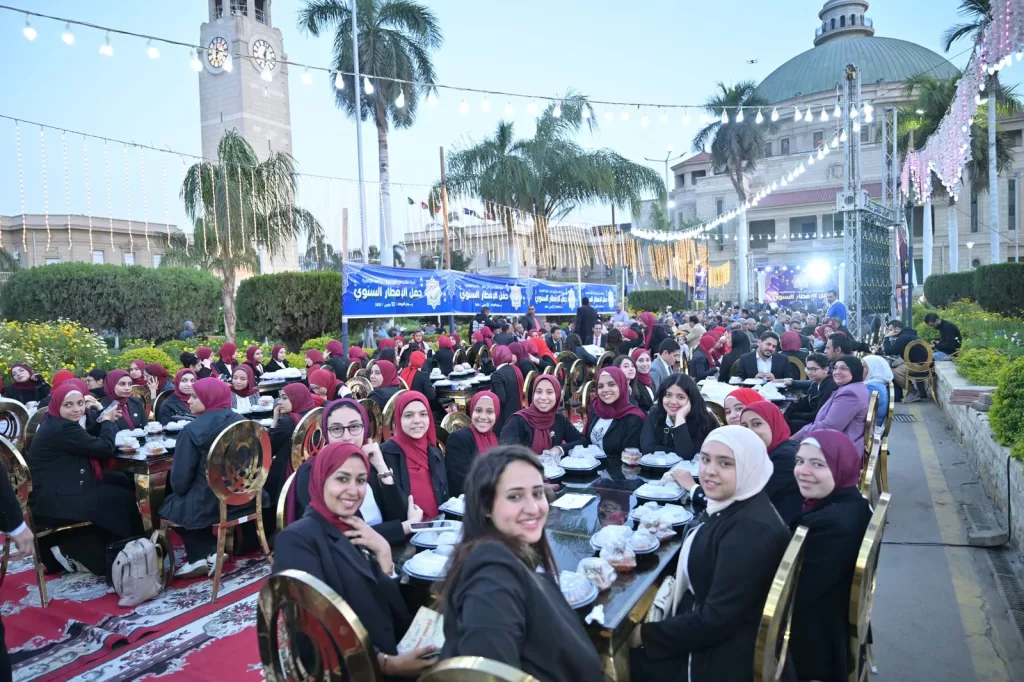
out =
column 500, row 597
column 614, row 424
column 679, row 421
column 640, row 394
column 574, row 344
column 740, row 345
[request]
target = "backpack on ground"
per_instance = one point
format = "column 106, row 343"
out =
column 136, row 572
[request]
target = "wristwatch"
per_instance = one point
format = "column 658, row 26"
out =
column 381, row 475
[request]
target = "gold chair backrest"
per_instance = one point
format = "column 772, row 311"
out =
column 869, row 423
column 567, row 357
column 359, row 387
column 376, row 419
column 142, row 393
column 33, row 425
column 388, row 416
column 550, row 369
column 18, row 472
column 459, row 356
column 587, row 397
column 353, row 367
column 14, row 421
column 862, row 590
column 363, row 373
column 453, row 421
column 925, row 366
column 605, row 360
column 734, row 370
column 402, row 383
column 161, row 398
column 528, row 380
column 888, row 415
column 319, row 630
column 718, row 412
column 882, row 472
column 867, row 476
column 577, row 376
column 238, row 462
column 777, row 616
column 308, row 437
column 796, row 362
column 474, row 669
column 282, row 501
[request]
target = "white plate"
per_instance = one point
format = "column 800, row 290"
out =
column 664, row 493
column 651, row 462
column 752, row 382
column 589, row 599
column 442, row 382
column 266, row 423
column 556, row 476
column 693, row 466
column 571, row 469
column 684, row 515
column 413, row 573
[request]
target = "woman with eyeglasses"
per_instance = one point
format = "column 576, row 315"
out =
column 385, row 506
column 817, row 389
column 847, row 408
column 412, row 455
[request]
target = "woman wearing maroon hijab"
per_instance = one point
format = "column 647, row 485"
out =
column 27, row 386
column 507, row 384
column 254, row 360
column 614, row 423
column 540, row 427
column 118, row 387
column 175, row 406
column 836, row 515
column 228, row 360
column 277, row 360
column 384, row 379
column 767, row 421
column 205, row 356
column 190, row 503
column 69, row 484
column 294, row 403
column 137, row 371
column 467, row 444
column 412, row 454
column 243, row 387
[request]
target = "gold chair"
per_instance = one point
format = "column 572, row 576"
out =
column 482, row 354
column 550, row 369
column 33, row 425
column 401, row 382
column 605, row 360
column 882, row 474
column 376, row 419
column 359, row 387
column 567, row 357
column 773, row 634
column 14, row 421
column 453, row 421
column 869, row 424
column 323, row 638
column 801, row 370
column 308, row 437
column 142, row 393
column 887, row 425
column 353, row 367
column 862, row 592
column 388, row 416
column 528, row 380
column 868, row 473
column 586, row 398
column 161, row 398
column 21, row 480
column 718, row 412
column 237, row 468
column 474, row 669
column 282, row 501
column 459, row 357
column 924, row 371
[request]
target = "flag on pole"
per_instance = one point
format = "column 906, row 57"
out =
column 411, row 202
column 469, row 211
column 423, row 205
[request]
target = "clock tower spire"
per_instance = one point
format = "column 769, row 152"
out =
column 244, row 86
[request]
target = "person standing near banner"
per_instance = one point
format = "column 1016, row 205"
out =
column 529, row 320
column 836, row 308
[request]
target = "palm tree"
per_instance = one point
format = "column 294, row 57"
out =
column 8, row 263
column 977, row 13
column 736, row 149
column 239, row 208
column 396, row 39
column 547, row 176
column 320, row 255
column 933, row 97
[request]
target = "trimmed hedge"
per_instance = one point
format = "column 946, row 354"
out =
column 129, row 300
column 150, row 355
column 942, row 290
column 1007, row 414
column 291, row 306
column 1000, row 288
column 657, row 300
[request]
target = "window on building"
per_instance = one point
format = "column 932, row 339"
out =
column 680, row 180
column 853, row 20
column 719, row 206
column 919, row 270
column 762, row 233
column 919, row 221
column 261, row 11
column 974, row 210
column 129, row 258
column 819, row 136
column 831, row 226
column 157, row 259
column 218, row 9
column 803, row 227
column 97, row 258
column 767, row 150
column 865, row 134
column 975, row 263
column 842, row 21
column 240, row 7
column 1016, row 137
column 52, row 261
column 784, row 146
column 1011, row 204
column 696, row 175
column 833, row 23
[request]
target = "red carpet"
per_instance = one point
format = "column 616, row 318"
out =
column 83, row 627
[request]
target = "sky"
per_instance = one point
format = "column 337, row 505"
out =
column 654, row 51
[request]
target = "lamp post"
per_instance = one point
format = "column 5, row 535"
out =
column 970, row 261
column 670, row 203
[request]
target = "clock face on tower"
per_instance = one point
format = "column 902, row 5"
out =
column 264, row 56
column 217, row 52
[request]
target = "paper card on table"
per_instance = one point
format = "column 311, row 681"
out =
column 573, row 501
column 427, row 629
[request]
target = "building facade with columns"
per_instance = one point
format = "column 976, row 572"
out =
column 798, row 224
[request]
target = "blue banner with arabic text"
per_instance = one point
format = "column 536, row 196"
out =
column 375, row 291
column 501, row 296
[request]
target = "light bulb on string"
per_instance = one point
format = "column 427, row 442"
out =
column 798, row 116
column 856, row 126
column 195, row 61
column 824, row 115
column 28, row 31
column 739, row 115
column 432, row 99
column 557, row 111
column 400, row 100
column 837, row 112
column 809, row 116
column 509, row 112
column 624, row 116
column 339, row 81
column 644, row 121
column 107, row 50
column 810, row 159
column 486, row 105
column 835, row 142
column 842, row 136
column 67, row 36
column 463, row 107
column 686, row 119
column 775, row 114
column 608, row 115
column 266, row 76
column 586, row 113
column 821, row 155
column 760, row 118
column 663, row 118
column 151, row 50
column 367, row 85
column 725, row 117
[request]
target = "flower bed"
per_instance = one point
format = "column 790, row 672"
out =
column 49, row 347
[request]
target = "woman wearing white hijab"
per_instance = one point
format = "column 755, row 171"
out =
column 877, row 377
column 725, row 571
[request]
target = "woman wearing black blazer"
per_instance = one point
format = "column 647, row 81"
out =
column 175, row 406
column 507, row 385
column 639, row 393
column 702, row 365
column 190, row 503
column 445, row 354
column 465, row 445
column 766, row 420
column 118, row 387
column 228, row 361
column 500, row 598
column 679, row 421
column 739, row 345
column 540, row 427
column 613, row 423
column 384, row 379
column 295, row 401
column 28, row 387
column 522, row 358
column 70, row 486
column 413, row 456
column 836, row 516
column 332, row 543
column 726, row 568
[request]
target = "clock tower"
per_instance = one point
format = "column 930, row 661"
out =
column 248, row 95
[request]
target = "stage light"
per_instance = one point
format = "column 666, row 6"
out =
column 818, row 270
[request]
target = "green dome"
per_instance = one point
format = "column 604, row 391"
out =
column 821, row 68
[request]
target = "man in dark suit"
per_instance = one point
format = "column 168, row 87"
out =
column 529, row 320
column 504, row 337
column 12, row 523
column 596, row 335
column 555, row 340
column 805, row 342
column 764, row 363
column 586, row 318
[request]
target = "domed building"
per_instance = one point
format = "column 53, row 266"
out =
column 797, row 225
